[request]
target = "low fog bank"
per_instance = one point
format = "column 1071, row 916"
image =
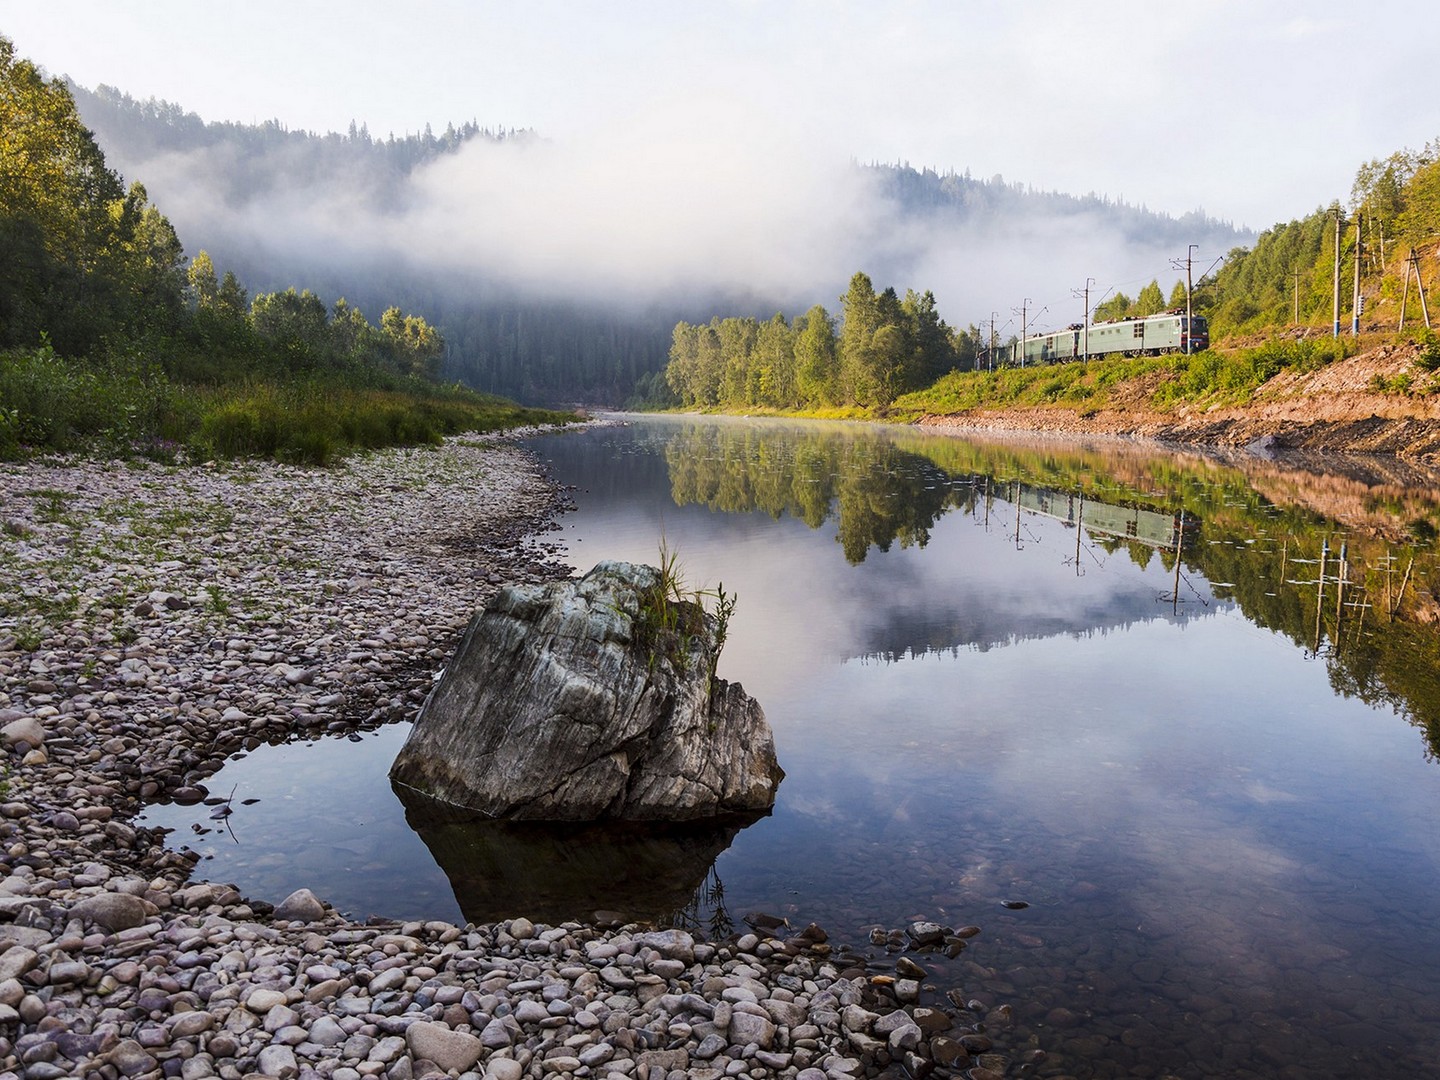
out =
column 654, row 219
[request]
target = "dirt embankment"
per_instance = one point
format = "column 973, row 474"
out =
column 1335, row 408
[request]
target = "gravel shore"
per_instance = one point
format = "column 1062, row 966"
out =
column 155, row 619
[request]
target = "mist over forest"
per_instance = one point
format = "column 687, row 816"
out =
column 556, row 272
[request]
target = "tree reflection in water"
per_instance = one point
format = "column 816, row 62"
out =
column 1256, row 529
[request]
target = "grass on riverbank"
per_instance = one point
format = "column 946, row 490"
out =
column 1213, row 377
column 125, row 406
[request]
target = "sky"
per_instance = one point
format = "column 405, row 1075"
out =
column 1254, row 111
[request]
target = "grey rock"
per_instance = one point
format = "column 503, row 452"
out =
column 302, row 905
column 451, row 1050
column 563, row 702
column 926, row 933
column 76, row 1046
column 68, row 973
column 327, row 1031
column 503, row 1069
column 16, row 961
column 709, row 1047
column 747, row 1028
column 187, row 1025
column 596, row 1055
column 389, row 979
column 854, row 1018
column 262, row 999
column 278, row 1062
column 27, row 730
column 113, row 911
column 905, row 1037
column 130, row 1058
column 532, row 1012
column 495, row 1035
column 498, row 1068
column 673, row 944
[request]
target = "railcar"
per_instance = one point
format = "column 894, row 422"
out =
column 1152, row 335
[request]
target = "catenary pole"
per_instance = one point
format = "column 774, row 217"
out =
column 1339, row 220
column 1355, row 299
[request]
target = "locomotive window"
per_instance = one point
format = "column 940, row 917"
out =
column 1139, row 329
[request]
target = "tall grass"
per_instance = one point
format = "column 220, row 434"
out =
column 122, row 405
column 1214, row 376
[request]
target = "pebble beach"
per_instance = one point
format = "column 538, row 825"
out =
column 158, row 618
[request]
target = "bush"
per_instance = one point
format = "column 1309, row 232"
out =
column 126, row 405
column 1429, row 358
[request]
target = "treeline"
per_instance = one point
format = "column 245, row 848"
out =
column 1149, row 301
column 882, row 346
column 1288, row 276
column 290, row 332
column 239, row 163
column 936, row 197
column 107, row 332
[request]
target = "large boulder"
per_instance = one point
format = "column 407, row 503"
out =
column 591, row 699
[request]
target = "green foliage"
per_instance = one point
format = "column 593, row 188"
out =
column 1210, row 376
column 1151, row 301
column 1396, row 203
column 109, row 341
column 1429, row 356
column 669, row 618
column 1115, row 307
column 672, row 616
column 121, row 405
column 84, row 258
column 885, row 346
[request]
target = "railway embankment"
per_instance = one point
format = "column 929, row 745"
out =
column 1379, row 401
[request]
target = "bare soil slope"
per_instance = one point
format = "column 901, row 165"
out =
column 1334, row 408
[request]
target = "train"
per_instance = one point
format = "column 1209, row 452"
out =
column 1170, row 331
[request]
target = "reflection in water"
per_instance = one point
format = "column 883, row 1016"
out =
column 1274, row 559
column 620, row 871
column 876, row 492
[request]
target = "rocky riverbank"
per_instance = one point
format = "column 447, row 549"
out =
column 158, row 618
column 1375, row 402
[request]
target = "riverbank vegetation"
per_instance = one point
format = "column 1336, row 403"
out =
column 1213, row 377
column 880, row 347
column 111, row 339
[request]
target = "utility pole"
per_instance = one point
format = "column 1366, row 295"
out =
column 1085, row 292
column 1339, row 220
column 1024, row 325
column 1355, row 299
column 1188, row 263
column 991, row 353
column 1413, row 263
column 1189, row 290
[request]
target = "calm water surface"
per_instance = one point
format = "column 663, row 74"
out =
column 1214, row 781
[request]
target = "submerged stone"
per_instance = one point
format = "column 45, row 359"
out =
column 587, row 700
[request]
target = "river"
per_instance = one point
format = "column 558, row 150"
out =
column 1186, row 711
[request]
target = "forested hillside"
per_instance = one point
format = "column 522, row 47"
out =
column 1391, row 223
column 246, row 193
column 880, row 347
column 109, row 335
